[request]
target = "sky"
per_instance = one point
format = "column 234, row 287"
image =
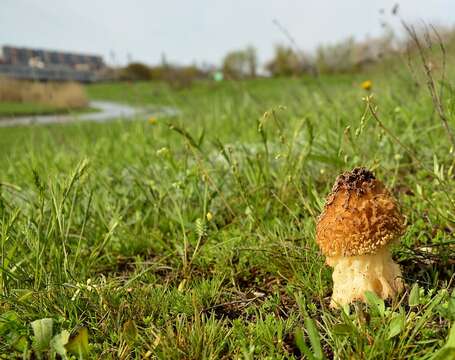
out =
column 200, row 31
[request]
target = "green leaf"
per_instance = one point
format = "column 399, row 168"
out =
column 414, row 296
column 58, row 343
column 78, row 345
column 375, row 302
column 7, row 320
column 315, row 340
column 21, row 344
column 342, row 329
column 447, row 309
column 300, row 342
column 42, row 329
column 451, row 306
column 451, row 338
column 419, row 189
column 396, row 326
column 130, row 331
column 445, row 354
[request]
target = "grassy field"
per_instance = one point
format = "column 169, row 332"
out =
column 14, row 109
column 193, row 237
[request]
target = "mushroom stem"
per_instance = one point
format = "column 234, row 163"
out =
column 353, row 275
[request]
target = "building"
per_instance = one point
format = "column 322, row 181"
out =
column 46, row 65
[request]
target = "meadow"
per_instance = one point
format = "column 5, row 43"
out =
column 193, row 236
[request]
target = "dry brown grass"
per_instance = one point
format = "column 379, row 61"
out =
column 58, row 95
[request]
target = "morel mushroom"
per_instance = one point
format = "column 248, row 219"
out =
column 359, row 222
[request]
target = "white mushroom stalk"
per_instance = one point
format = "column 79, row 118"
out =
column 354, row 275
column 359, row 222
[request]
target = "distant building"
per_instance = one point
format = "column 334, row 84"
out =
column 46, row 65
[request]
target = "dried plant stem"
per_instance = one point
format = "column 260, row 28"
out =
column 373, row 110
column 431, row 84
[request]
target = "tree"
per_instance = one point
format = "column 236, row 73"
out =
column 135, row 71
column 286, row 62
column 240, row 64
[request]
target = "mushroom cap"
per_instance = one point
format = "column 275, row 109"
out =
column 359, row 217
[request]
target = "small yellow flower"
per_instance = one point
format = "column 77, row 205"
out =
column 152, row 120
column 209, row 216
column 366, row 85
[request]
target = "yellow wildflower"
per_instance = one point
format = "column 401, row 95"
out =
column 152, row 120
column 366, row 85
column 209, row 216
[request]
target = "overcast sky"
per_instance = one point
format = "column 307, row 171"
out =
column 199, row 30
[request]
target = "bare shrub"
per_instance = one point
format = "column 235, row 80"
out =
column 58, row 95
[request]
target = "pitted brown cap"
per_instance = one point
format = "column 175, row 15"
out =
column 359, row 217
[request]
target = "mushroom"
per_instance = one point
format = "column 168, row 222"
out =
column 360, row 221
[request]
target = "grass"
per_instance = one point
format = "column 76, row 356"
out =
column 105, row 228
